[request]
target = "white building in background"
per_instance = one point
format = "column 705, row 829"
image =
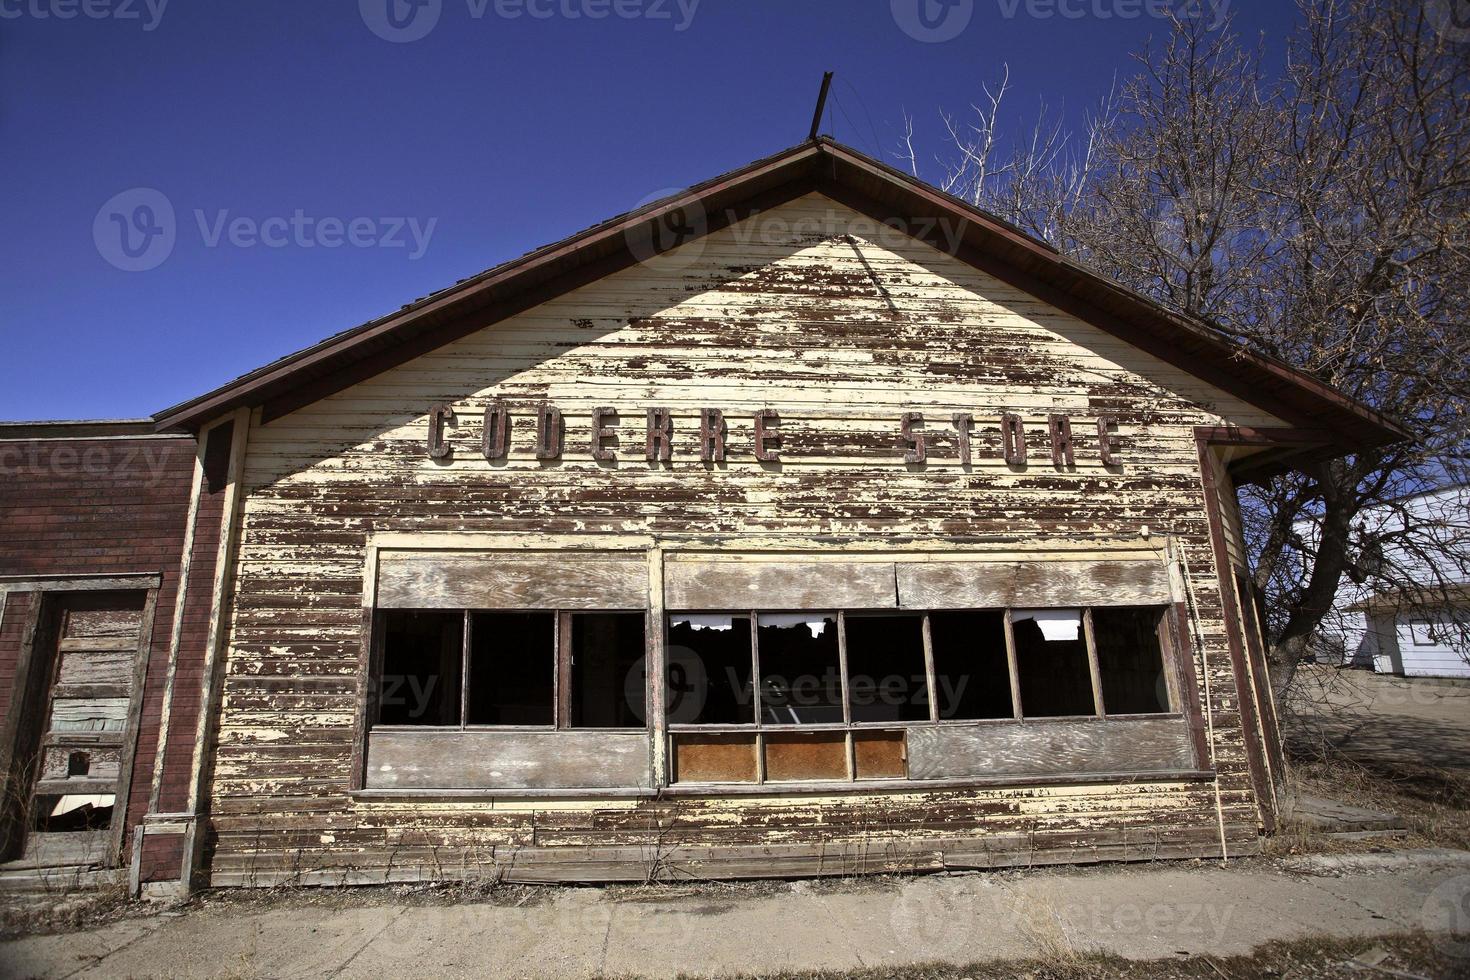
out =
column 1415, row 631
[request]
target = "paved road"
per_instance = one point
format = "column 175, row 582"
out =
column 1138, row 911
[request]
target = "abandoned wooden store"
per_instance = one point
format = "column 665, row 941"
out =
column 771, row 549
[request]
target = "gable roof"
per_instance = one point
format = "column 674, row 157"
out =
column 851, row 178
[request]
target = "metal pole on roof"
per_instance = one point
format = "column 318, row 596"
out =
column 821, row 104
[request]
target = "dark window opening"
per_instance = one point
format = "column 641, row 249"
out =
column 886, row 677
column 1051, row 658
column 801, row 680
column 422, row 660
column 78, row 764
column 708, row 679
column 512, row 669
column 1130, row 661
column 608, row 688
column 972, row 676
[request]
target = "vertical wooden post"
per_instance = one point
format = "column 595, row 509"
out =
column 929, row 676
column 1092, row 666
column 467, row 638
column 1015, row 671
column 848, row 747
column 215, row 652
column 563, row 683
column 656, row 670
column 181, row 593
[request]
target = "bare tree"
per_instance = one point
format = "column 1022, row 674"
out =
column 1321, row 216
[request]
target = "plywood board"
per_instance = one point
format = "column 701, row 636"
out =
column 1046, row 747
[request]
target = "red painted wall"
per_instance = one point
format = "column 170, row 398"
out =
column 100, row 506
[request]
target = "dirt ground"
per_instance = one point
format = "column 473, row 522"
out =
column 1386, row 743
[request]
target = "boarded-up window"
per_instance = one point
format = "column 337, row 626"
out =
column 1130, row 660
column 972, row 678
column 701, row 757
column 1051, row 658
column 796, row 756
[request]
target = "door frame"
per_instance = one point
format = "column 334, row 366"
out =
column 36, row 665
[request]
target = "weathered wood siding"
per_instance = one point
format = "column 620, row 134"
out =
column 814, row 311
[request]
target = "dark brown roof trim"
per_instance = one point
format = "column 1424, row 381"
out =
column 89, row 429
column 868, row 185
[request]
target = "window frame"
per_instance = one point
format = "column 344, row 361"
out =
column 561, row 650
column 1168, row 658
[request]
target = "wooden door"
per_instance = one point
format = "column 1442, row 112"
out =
column 88, row 722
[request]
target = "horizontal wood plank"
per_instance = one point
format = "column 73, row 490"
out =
column 455, row 580
column 825, row 585
column 507, row 760
column 1040, row 748
column 1032, row 584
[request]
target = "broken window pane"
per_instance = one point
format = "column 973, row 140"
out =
column 421, row 668
column 512, row 669
column 801, row 681
column 1130, row 660
column 886, row 679
column 708, row 679
column 972, row 678
column 608, row 689
column 1051, row 658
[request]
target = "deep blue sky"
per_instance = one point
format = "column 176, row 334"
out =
column 508, row 133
